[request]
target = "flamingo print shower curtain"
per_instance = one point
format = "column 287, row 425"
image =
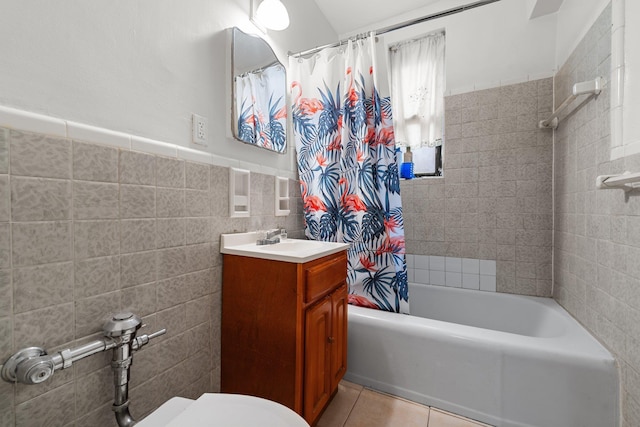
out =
column 261, row 108
column 348, row 170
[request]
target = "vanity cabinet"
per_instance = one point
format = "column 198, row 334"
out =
column 325, row 351
column 284, row 330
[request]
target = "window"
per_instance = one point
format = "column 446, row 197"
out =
column 417, row 93
column 428, row 161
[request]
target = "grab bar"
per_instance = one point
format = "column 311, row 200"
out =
column 627, row 181
column 591, row 88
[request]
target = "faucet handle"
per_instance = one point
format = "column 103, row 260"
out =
column 123, row 323
column 272, row 233
column 143, row 340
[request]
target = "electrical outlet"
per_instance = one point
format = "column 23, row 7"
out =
column 200, row 128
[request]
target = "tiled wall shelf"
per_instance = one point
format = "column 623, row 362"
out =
column 282, row 196
column 453, row 272
column 239, row 193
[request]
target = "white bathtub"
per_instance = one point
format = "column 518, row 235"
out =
column 506, row 360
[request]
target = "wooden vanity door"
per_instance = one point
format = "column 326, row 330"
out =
column 317, row 378
column 338, row 340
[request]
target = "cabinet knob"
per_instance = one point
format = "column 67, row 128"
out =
column 331, row 340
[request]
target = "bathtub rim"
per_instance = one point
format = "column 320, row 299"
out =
column 528, row 305
column 576, row 342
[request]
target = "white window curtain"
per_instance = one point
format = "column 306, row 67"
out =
column 417, row 91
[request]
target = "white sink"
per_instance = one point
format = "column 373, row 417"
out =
column 288, row 250
column 292, row 246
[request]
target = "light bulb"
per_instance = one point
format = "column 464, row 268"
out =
column 273, row 15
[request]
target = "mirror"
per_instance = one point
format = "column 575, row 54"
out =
column 259, row 104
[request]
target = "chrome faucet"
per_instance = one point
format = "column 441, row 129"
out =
column 33, row 365
column 272, row 237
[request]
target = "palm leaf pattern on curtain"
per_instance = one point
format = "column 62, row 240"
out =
column 262, row 121
column 277, row 134
column 350, row 184
column 245, row 122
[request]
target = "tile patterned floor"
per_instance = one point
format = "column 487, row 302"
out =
column 355, row 406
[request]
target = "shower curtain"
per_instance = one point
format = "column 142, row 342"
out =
column 261, row 109
column 348, row 170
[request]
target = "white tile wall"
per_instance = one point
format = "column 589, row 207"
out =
column 410, row 261
column 455, row 272
column 471, row 281
column 437, row 278
column 487, row 267
column 487, row 283
column 453, row 279
column 421, row 276
column 453, row 265
column 436, row 263
column 411, row 275
column 471, row 266
column 421, row 262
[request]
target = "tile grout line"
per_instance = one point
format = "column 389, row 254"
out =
column 431, row 409
column 351, row 410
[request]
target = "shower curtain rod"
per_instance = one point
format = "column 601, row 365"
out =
column 409, row 23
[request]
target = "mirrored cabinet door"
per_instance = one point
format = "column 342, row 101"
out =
column 259, row 112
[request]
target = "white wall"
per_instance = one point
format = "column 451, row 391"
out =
column 575, row 17
column 631, row 102
column 140, row 67
column 489, row 46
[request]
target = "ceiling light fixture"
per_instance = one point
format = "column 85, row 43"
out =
column 270, row 14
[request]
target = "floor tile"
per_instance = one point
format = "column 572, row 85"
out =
column 439, row 418
column 340, row 407
column 354, row 386
column 380, row 410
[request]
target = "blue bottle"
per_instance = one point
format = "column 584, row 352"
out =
column 406, row 168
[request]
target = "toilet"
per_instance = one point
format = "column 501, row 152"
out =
column 222, row 410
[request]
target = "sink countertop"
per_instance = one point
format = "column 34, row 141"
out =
column 288, row 250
